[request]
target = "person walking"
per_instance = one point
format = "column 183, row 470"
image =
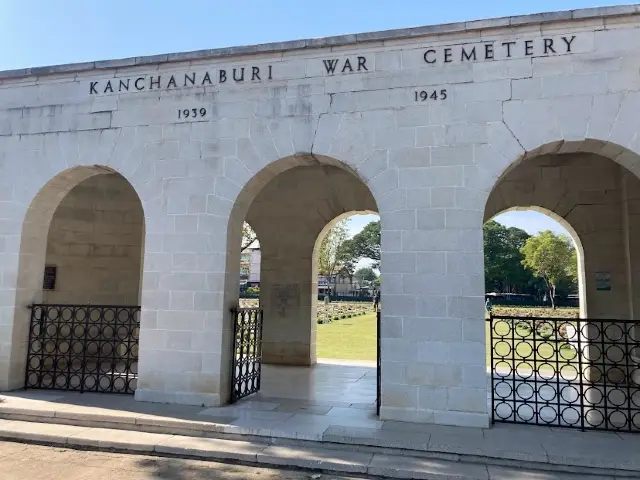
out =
column 488, row 306
column 376, row 301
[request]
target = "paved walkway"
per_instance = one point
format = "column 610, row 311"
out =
column 329, row 403
column 392, row 447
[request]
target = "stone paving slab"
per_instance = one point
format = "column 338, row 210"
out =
column 99, row 415
column 506, row 473
column 210, row 448
column 120, row 439
column 422, row 468
column 316, row 458
column 39, row 432
column 377, row 438
column 512, row 450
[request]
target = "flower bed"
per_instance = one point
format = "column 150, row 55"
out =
column 334, row 311
column 568, row 312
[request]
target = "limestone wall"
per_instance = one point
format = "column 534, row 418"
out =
column 199, row 141
column 95, row 241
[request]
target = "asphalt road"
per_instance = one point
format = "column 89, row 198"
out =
column 34, row 462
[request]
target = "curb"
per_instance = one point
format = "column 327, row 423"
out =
column 266, row 454
column 250, row 453
column 331, row 440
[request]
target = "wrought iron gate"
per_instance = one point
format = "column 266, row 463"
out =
column 578, row 373
column 86, row 348
column 379, row 365
column 247, row 352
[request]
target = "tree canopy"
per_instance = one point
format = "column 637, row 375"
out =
column 506, row 270
column 366, row 244
column 248, row 236
column 335, row 256
column 550, row 257
column 503, row 260
column 365, row 274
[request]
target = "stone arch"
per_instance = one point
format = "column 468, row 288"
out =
column 617, row 175
column 32, row 235
column 259, row 193
column 575, row 238
column 337, row 219
column 254, row 185
column 507, row 148
column 323, row 233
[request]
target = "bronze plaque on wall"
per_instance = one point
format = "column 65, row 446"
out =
column 49, row 282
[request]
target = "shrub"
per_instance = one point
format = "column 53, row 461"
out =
column 253, row 290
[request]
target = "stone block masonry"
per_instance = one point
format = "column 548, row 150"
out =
column 424, row 126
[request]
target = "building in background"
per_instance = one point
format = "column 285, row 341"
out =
column 250, row 276
column 250, row 267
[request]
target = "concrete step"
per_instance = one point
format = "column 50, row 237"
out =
column 266, row 454
column 565, row 451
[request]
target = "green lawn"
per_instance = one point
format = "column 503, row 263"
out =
column 350, row 338
column 355, row 339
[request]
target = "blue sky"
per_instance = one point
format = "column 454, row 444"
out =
column 45, row 32
column 531, row 222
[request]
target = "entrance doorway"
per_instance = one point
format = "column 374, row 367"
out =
column 575, row 369
column 307, row 295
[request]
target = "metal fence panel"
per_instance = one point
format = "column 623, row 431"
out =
column 579, row 373
column 86, row 348
column 247, row 352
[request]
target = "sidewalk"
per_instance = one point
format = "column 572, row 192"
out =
column 269, row 431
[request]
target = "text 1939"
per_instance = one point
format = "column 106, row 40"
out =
column 191, row 112
column 425, row 95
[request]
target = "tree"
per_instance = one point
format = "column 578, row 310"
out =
column 248, row 236
column 550, row 257
column 335, row 252
column 366, row 244
column 365, row 274
column 504, row 271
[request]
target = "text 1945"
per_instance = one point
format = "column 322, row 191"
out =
column 425, row 95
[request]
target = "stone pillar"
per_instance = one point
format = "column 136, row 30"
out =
column 287, row 299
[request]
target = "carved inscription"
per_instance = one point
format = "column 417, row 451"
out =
column 348, row 65
column 181, row 80
column 192, row 113
column 425, row 95
column 499, row 50
column 284, row 297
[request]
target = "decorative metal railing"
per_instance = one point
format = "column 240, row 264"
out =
column 579, row 373
column 247, row 352
column 86, row 348
column 378, row 361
